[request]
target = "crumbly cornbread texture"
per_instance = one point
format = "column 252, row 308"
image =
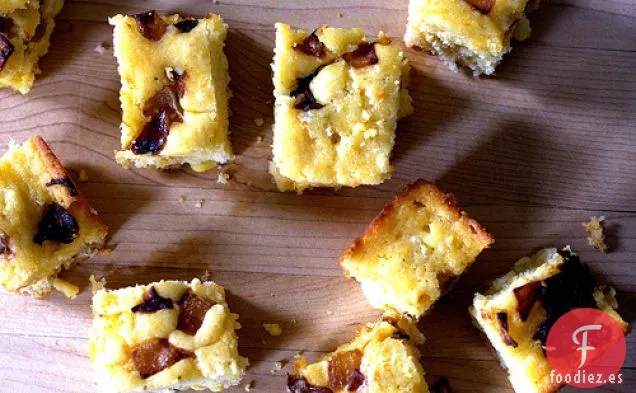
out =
column 25, row 32
column 412, row 251
column 517, row 312
column 46, row 225
column 163, row 337
column 472, row 33
column 174, row 93
column 383, row 358
column 338, row 100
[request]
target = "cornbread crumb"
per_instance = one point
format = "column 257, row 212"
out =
column 105, row 250
column 96, row 285
column 69, row 290
column 100, row 49
column 339, row 14
column 83, row 176
column 259, row 140
column 199, row 204
column 273, row 329
column 329, row 312
column 223, row 178
column 182, row 199
column 207, row 276
column 259, row 121
column 595, row 235
column 248, row 386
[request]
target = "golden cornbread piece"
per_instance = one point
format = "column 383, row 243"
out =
column 383, row 358
column 518, row 311
column 24, row 38
column 472, row 33
column 411, row 252
column 595, row 235
column 163, row 337
column 338, row 100
column 46, row 225
column 174, row 93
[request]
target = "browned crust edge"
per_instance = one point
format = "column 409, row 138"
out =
column 447, row 200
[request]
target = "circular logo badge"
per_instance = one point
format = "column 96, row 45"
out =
column 586, row 348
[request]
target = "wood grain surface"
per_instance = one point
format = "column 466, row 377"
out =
column 530, row 153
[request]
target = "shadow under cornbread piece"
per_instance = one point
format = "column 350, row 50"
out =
column 46, row 225
column 518, row 311
column 174, row 93
column 165, row 336
column 414, row 249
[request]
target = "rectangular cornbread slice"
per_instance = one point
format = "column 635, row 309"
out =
column 174, row 93
column 338, row 100
column 383, row 358
column 165, row 336
column 472, row 33
column 411, row 252
column 25, row 34
column 518, row 311
column 46, row 225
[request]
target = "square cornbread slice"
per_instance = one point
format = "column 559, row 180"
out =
column 163, row 337
column 46, row 225
column 383, row 358
column 174, row 93
column 472, row 33
column 24, row 38
column 518, row 311
column 338, row 100
column 414, row 249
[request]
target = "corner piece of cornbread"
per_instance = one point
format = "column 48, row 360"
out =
column 518, row 311
column 472, row 33
column 165, row 336
column 383, row 358
column 25, row 32
column 174, row 94
column 412, row 251
column 46, row 225
column 338, row 100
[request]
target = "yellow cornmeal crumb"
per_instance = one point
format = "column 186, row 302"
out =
column 412, row 251
column 345, row 138
column 83, row 176
column 273, row 329
column 199, row 204
column 248, row 386
column 96, row 285
column 223, row 178
column 594, row 229
column 69, row 290
column 259, row 140
column 460, row 34
column 384, row 352
column 100, row 49
column 201, row 140
column 259, row 121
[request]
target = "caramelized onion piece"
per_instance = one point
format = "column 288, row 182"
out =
column 526, row 296
column 363, row 56
column 305, row 99
column 296, row 384
column 151, row 25
column 163, row 109
column 311, row 46
column 341, row 367
column 5, row 24
column 153, row 356
column 356, row 380
column 66, row 182
column 179, row 80
column 186, row 26
column 483, row 6
column 152, row 302
column 193, row 309
column 57, row 224
column 6, row 49
column 502, row 317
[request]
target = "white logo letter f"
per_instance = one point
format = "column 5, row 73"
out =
column 584, row 347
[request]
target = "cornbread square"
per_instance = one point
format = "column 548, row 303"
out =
column 383, row 358
column 518, row 311
column 174, row 93
column 25, row 35
column 412, row 251
column 163, row 337
column 46, row 225
column 338, row 100
column 472, row 33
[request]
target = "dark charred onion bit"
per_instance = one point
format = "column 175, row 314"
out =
column 526, row 296
column 153, row 356
column 151, row 25
column 57, row 224
column 186, row 26
column 341, row 367
column 363, row 56
column 502, row 317
column 483, row 6
column 66, row 182
column 5, row 25
column 441, row 386
column 356, row 380
column 165, row 100
column 572, row 288
column 179, row 80
column 163, row 109
column 296, row 384
column 311, row 46
column 6, row 49
column 193, row 309
column 153, row 302
column 305, row 99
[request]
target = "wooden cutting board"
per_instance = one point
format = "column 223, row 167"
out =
column 531, row 154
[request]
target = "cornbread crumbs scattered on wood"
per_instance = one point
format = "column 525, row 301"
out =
column 96, row 285
column 273, row 329
column 83, row 176
column 259, row 121
column 248, row 386
column 595, row 235
column 199, row 204
column 223, row 178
